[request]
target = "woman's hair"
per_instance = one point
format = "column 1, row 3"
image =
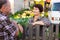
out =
column 2, row 2
column 39, row 6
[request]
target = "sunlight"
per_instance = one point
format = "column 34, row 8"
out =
column 12, row 5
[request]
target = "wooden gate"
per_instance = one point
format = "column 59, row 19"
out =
column 51, row 34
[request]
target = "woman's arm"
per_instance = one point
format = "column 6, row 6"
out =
column 44, row 21
column 38, row 22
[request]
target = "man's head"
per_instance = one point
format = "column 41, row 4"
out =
column 5, row 6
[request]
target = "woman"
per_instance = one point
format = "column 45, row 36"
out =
column 37, row 19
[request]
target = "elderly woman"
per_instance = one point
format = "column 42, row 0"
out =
column 37, row 19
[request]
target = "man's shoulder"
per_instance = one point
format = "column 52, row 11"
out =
column 2, row 17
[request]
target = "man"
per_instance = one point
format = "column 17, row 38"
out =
column 9, row 30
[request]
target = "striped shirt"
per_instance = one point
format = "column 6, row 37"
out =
column 44, row 19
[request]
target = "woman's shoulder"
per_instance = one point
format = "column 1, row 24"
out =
column 44, row 17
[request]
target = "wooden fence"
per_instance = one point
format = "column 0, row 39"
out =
column 51, row 34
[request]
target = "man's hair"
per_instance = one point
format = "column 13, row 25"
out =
column 2, row 2
column 39, row 6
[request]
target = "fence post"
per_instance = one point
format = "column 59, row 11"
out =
column 51, row 32
column 30, row 32
column 57, row 31
column 44, row 33
column 37, row 32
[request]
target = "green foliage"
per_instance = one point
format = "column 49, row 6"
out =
column 22, row 21
column 31, row 6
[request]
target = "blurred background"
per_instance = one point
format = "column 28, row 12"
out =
column 22, row 9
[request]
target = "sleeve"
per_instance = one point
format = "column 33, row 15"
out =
column 46, row 21
column 9, row 27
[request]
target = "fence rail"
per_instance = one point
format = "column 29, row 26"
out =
column 51, row 34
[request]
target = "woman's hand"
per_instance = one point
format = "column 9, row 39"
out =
column 38, row 22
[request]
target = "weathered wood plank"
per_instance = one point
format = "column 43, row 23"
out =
column 37, row 32
column 30, row 32
column 44, row 33
column 51, row 32
column 57, row 31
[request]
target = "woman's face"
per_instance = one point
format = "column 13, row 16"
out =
column 36, row 11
